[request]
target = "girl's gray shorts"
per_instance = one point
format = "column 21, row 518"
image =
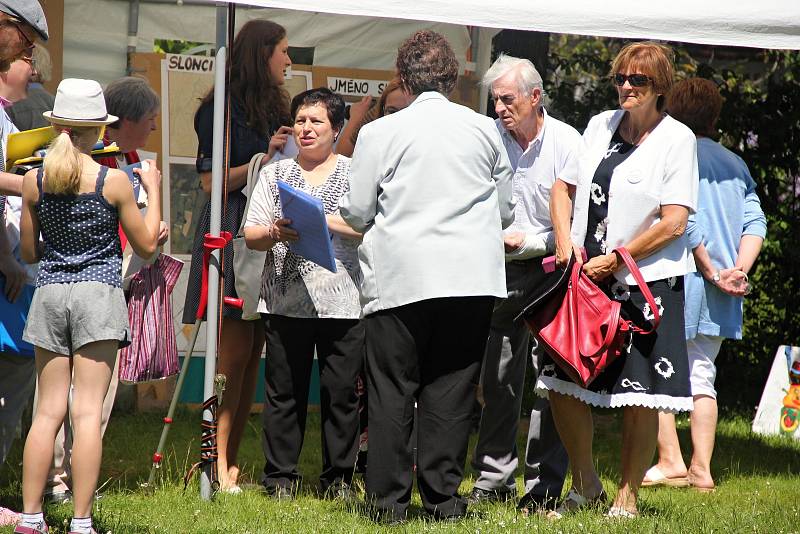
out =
column 65, row 317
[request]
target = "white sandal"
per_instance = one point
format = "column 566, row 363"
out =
column 618, row 512
column 232, row 490
column 656, row 477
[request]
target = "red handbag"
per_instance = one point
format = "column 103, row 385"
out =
column 583, row 332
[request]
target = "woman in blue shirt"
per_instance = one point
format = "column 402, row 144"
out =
column 726, row 235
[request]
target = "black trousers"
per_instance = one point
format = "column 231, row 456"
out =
column 428, row 352
column 290, row 356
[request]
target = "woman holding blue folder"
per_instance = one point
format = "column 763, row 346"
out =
column 306, row 307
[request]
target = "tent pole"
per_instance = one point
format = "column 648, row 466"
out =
column 212, row 310
column 483, row 60
column 222, row 24
column 133, row 33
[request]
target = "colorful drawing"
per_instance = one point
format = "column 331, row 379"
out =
column 790, row 413
column 778, row 411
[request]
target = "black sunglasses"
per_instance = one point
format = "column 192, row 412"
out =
column 636, row 80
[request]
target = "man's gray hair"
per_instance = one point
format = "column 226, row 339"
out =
column 130, row 98
column 528, row 78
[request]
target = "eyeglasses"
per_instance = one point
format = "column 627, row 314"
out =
column 30, row 61
column 26, row 53
column 636, row 80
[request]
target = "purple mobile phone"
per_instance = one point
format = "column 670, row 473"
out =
column 549, row 263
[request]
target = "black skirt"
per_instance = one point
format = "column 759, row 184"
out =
column 654, row 373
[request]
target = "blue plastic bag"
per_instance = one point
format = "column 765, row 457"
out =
column 12, row 321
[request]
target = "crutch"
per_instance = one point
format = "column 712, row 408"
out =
column 209, row 244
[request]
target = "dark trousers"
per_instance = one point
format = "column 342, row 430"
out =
column 503, row 381
column 428, row 352
column 290, row 356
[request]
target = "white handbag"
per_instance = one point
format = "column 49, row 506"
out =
column 248, row 265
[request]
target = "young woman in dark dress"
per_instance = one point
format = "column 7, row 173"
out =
column 259, row 115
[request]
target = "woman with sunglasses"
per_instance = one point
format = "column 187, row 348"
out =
column 637, row 183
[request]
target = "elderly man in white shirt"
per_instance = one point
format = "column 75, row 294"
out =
column 540, row 149
column 431, row 192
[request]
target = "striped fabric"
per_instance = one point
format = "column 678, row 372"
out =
column 153, row 353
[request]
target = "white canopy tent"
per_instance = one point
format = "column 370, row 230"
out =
column 98, row 52
column 365, row 33
column 763, row 24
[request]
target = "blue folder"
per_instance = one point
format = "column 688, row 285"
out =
column 308, row 219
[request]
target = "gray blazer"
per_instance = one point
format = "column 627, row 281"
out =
column 431, row 189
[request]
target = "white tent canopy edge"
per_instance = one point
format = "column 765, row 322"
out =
column 763, row 24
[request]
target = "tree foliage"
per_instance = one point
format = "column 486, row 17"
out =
column 760, row 121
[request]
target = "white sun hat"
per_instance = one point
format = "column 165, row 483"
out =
column 79, row 103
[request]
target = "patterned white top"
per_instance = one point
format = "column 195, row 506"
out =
column 291, row 285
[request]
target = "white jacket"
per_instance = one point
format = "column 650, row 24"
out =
column 661, row 171
column 431, row 189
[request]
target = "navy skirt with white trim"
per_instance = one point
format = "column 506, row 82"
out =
column 653, row 372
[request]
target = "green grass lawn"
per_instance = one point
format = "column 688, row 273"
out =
column 758, row 489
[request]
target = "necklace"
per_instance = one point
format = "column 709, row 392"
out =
column 629, row 135
column 634, row 137
column 319, row 174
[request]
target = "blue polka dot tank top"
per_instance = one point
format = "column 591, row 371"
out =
column 81, row 240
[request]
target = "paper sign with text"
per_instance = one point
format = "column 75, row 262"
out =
column 355, row 86
column 182, row 63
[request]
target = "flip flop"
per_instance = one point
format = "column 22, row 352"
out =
column 656, row 477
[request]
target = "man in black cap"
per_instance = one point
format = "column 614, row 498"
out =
column 21, row 21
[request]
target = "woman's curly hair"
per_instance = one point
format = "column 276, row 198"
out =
column 426, row 62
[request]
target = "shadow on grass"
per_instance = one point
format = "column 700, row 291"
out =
column 738, row 450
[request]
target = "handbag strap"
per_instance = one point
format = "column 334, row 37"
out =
column 645, row 289
column 253, row 169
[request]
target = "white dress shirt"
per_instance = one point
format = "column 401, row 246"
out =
column 552, row 154
column 662, row 170
column 431, row 191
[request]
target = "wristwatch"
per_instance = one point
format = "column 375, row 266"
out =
column 715, row 277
